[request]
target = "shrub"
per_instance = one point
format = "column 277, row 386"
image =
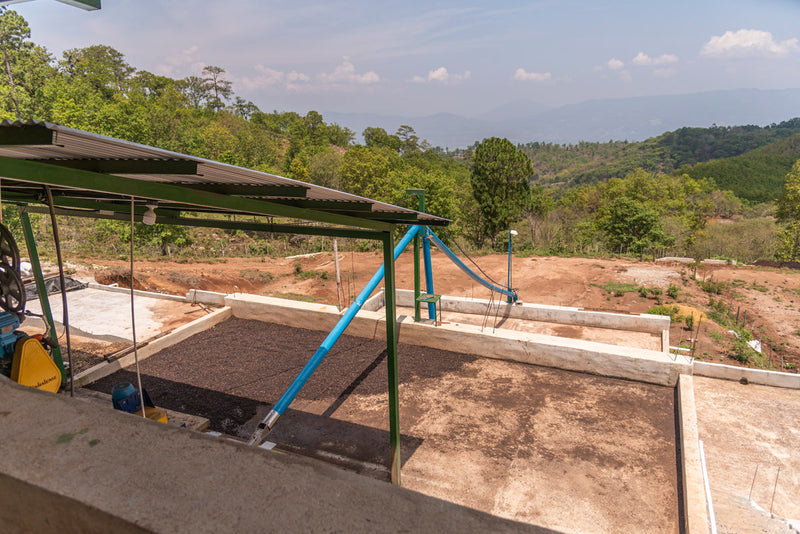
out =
column 673, row 312
column 673, row 291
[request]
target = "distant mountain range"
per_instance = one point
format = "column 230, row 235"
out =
column 632, row 119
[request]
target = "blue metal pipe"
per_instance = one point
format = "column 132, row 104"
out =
column 449, row 253
column 289, row 395
column 426, row 253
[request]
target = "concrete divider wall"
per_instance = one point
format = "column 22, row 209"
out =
column 696, row 514
column 139, row 292
column 754, row 376
column 654, row 324
column 550, row 351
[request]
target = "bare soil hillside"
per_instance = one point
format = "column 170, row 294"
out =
column 768, row 299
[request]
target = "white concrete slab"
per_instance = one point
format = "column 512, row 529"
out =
column 105, row 314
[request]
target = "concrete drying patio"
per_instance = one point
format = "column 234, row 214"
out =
column 555, row 448
column 750, row 432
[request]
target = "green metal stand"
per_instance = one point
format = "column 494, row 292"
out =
column 33, row 252
column 391, row 359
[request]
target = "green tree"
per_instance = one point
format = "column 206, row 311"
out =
column 14, row 32
column 219, row 89
column 365, row 170
column 500, row 175
column 630, row 225
column 377, row 137
column 789, row 204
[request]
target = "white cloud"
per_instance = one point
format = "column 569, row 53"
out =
column 267, row 77
column 184, row 63
column 522, row 74
column 625, row 76
column 345, row 73
column 441, row 75
column 615, row 64
column 644, row 60
column 664, row 73
column 745, row 43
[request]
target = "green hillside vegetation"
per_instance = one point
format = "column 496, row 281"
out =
column 615, row 197
column 757, row 175
column 592, row 162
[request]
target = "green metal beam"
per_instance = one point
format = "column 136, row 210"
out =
column 36, row 265
column 31, row 171
column 28, row 134
column 391, row 356
column 222, row 224
column 127, row 166
column 251, row 190
column 329, row 205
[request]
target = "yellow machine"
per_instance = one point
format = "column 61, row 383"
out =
column 32, row 366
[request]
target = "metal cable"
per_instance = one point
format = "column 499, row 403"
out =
column 133, row 321
column 485, row 275
column 62, row 280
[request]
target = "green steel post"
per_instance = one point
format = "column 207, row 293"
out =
column 30, row 243
column 391, row 356
column 420, row 194
column 416, row 277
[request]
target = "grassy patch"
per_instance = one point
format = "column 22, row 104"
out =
column 712, row 287
column 305, row 275
column 617, row 288
column 757, row 287
column 256, row 276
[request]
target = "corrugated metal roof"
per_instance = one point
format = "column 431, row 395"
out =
column 59, row 145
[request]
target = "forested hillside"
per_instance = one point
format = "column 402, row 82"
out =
column 592, row 162
column 589, row 198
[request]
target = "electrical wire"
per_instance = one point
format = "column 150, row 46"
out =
column 62, row 280
column 133, row 321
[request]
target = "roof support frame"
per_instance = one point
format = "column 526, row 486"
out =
column 41, row 173
column 216, row 223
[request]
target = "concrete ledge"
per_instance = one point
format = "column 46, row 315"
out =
column 150, row 294
column 179, row 334
column 66, row 460
column 653, row 324
column 205, row 297
column 575, row 355
column 694, row 492
column 755, row 376
column 643, row 365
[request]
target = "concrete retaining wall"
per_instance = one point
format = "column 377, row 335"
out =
column 149, row 294
column 694, row 493
column 70, row 466
column 754, row 376
column 550, row 351
column 654, row 324
column 176, row 336
column 205, row 297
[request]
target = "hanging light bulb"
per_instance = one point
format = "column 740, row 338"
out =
column 149, row 217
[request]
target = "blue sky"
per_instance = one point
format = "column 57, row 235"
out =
column 422, row 57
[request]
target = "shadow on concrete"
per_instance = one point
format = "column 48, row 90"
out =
column 353, row 446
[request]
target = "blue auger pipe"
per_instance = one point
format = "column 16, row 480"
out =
column 426, row 256
column 449, row 253
column 288, row 396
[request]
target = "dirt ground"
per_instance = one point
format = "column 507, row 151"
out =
column 770, row 296
column 564, row 450
column 751, row 441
